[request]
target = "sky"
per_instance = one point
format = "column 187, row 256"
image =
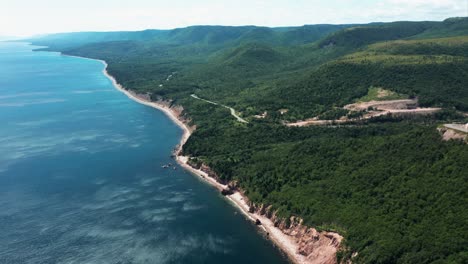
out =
column 30, row 17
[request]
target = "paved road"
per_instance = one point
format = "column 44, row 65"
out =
column 233, row 112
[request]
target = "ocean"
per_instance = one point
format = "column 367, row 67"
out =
column 81, row 178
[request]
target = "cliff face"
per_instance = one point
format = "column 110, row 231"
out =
column 314, row 247
column 177, row 110
column 317, row 247
column 210, row 173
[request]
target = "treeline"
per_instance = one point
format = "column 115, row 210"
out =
column 260, row 74
column 391, row 186
column 395, row 190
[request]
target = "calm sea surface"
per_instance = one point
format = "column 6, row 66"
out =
column 81, row 178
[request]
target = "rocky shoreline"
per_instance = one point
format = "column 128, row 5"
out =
column 302, row 244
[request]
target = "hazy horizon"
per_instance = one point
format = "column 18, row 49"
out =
column 55, row 16
column 208, row 25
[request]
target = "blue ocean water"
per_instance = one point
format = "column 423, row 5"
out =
column 81, row 178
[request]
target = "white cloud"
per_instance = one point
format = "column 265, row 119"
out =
column 28, row 17
column 426, row 8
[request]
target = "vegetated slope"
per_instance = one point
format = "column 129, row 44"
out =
column 395, row 191
column 231, row 71
column 450, row 27
column 200, row 35
column 392, row 187
column 304, row 83
column 434, row 70
column 362, row 35
column 452, row 46
column 282, row 78
column 144, row 62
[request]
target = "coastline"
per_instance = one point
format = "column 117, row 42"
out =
column 286, row 243
column 166, row 110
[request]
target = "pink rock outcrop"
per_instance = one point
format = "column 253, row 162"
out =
column 319, row 247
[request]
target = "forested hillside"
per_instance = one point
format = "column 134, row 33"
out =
column 390, row 185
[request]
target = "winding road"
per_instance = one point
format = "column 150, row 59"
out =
column 233, row 111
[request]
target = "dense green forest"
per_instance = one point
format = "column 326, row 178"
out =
column 391, row 186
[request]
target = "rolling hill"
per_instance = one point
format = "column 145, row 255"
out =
column 390, row 186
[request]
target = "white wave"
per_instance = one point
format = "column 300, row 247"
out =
column 159, row 214
column 91, row 91
column 191, row 207
column 26, row 144
column 33, row 102
column 23, row 95
column 34, row 123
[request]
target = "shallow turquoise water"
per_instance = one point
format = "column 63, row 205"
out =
column 81, row 178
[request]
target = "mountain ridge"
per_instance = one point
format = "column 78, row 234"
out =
column 389, row 185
